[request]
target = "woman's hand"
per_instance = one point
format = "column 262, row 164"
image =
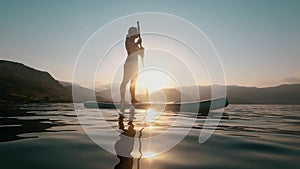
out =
column 139, row 41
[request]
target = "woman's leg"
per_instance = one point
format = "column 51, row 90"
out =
column 132, row 89
column 126, row 78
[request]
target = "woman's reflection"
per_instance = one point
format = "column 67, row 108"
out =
column 125, row 144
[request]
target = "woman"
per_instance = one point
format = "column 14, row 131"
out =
column 134, row 49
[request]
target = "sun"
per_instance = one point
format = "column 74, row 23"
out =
column 155, row 79
column 148, row 155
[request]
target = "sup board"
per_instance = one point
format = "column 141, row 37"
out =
column 200, row 106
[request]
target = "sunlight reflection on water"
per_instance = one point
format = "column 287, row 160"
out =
column 255, row 136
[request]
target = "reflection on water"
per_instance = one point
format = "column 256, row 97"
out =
column 248, row 136
column 16, row 121
column 124, row 145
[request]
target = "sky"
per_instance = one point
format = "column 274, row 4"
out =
column 257, row 41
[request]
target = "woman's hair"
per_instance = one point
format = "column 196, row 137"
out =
column 132, row 31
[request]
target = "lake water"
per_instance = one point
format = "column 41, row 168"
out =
column 50, row 136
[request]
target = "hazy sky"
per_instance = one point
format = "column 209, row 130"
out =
column 258, row 41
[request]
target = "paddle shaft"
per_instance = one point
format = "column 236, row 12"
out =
column 139, row 33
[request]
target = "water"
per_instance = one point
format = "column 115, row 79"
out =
column 248, row 136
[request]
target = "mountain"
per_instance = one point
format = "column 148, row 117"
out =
column 283, row 94
column 20, row 83
column 168, row 94
column 79, row 93
column 65, row 84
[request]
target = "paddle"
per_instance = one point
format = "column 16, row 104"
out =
column 140, row 149
column 143, row 64
column 139, row 33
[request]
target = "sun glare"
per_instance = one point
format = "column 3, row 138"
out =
column 148, row 155
column 155, row 80
column 151, row 116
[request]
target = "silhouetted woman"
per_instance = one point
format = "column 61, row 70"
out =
column 134, row 49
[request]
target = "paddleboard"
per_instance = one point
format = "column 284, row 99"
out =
column 201, row 106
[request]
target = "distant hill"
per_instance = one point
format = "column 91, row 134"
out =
column 80, row 94
column 168, row 94
column 20, row 83
column 283, row 94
